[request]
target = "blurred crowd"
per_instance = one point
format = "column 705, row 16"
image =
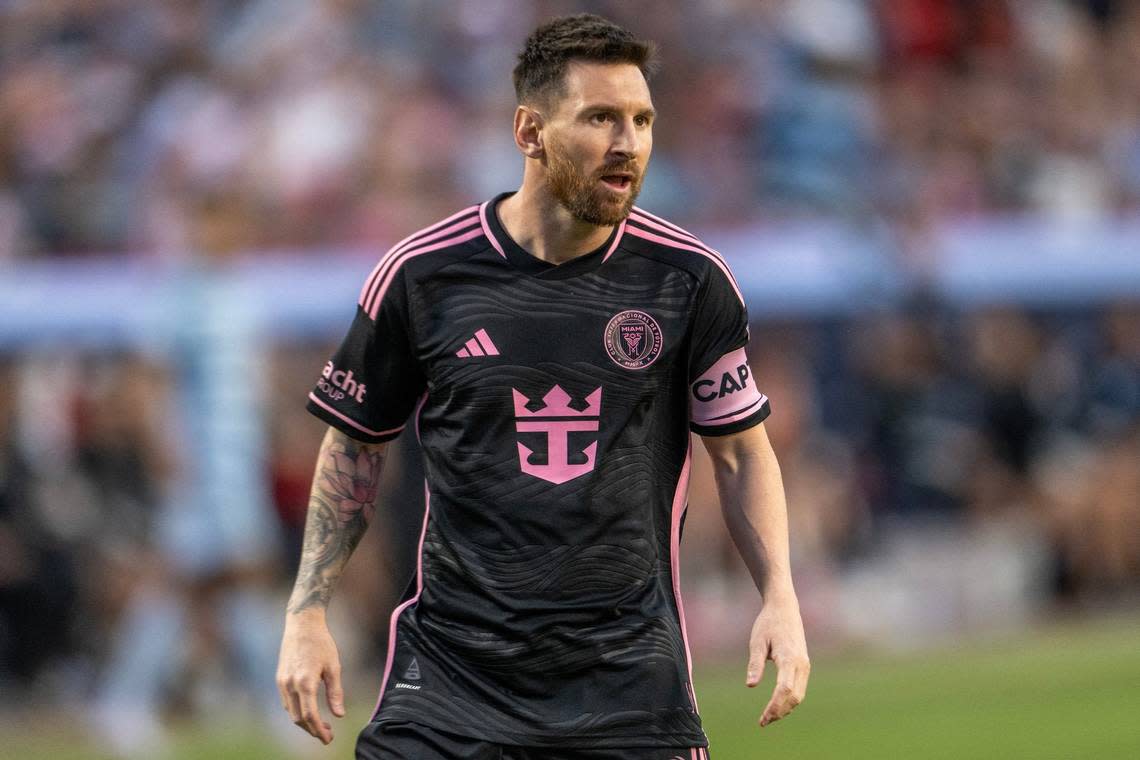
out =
column 921, row 418
column 217, row 125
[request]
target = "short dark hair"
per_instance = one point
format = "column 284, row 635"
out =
column 584, row 37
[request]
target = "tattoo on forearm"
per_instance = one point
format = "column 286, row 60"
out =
column 341, row 505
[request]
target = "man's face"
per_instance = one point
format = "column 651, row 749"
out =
column 599, row 135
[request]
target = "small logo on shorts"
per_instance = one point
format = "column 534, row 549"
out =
column 413, row 671
column 633, row 339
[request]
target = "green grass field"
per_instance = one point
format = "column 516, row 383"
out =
column 1068, row 692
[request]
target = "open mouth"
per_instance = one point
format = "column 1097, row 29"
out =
column 620, row 182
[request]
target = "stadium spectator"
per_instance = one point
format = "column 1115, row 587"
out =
column 271, row 124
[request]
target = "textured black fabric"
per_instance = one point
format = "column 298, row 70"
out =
column 409, row 741
column 554, row 421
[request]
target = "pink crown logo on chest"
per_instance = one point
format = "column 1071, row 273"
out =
column 557, row 404
column 557, row 420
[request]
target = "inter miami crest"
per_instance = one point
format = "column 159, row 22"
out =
column 633, row 339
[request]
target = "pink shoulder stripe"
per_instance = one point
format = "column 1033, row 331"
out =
column 349, row 420
column 389, row 259
column 414, row 237
column 638, row 232
column 679, row 230
column 487, row 228
column 399, row 259
column 642, row 217
column 408, row 239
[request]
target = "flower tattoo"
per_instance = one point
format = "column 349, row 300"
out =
column 353, row 484
column 341, row 505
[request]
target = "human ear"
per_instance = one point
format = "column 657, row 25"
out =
column 528, row 132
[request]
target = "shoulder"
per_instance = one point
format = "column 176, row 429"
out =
column 660, row 239
column 437, row 245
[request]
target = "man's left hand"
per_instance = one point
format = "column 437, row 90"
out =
column 778, row 635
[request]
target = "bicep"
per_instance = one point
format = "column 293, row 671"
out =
column 350, row 469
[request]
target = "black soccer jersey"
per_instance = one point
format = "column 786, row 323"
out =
column 553, row 405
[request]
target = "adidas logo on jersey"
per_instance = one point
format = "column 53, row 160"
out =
column 480, row 345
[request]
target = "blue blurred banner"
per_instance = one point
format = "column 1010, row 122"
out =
column 817, row 269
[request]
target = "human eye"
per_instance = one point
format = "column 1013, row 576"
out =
column 601, row 117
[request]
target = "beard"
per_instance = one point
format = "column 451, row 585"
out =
column 586, row 197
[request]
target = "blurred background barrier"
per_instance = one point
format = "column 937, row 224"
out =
column 815, row 269
column 933, row 209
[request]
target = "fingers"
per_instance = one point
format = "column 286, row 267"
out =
column 293, row 707
column 311, row 719
column 299, row 697
column 286, row 701
column 757, row 655
column 334, row 692
column 308, row 658
column 791, row 688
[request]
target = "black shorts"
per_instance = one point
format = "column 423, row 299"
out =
column 411, row 741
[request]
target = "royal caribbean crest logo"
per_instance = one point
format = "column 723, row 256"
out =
column 633, row 339
column 557, row 419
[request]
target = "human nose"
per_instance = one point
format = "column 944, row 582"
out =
column 627, row 141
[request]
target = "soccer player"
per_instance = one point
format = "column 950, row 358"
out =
column 554, row 347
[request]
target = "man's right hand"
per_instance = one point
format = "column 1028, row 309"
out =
column 308, row 658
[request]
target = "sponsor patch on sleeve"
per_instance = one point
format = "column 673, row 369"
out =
column 338, row 384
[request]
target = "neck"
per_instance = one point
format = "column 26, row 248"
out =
column 545, row 229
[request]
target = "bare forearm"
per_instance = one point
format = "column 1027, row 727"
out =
column 341, row 504
column 752, row 498
column 755, row 511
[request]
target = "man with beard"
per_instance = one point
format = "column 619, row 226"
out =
column 555, row 347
